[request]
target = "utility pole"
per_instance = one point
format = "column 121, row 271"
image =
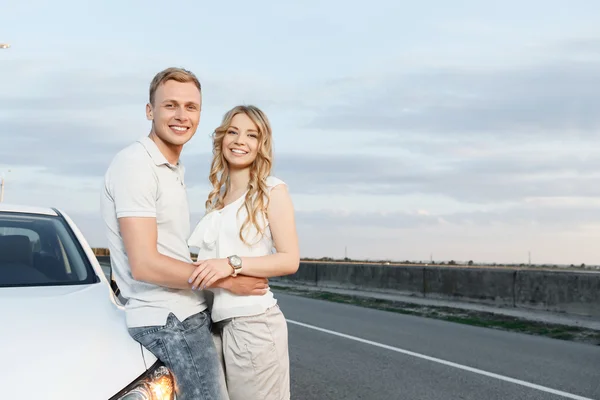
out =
column 530, row 258
column 346, row 252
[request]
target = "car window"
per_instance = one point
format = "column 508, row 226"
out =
column 40, row 250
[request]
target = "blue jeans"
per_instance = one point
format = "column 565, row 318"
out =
column 188, row 350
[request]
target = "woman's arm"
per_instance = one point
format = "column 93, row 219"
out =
column 285, row 238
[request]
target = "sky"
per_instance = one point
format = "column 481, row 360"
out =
column 461, row 130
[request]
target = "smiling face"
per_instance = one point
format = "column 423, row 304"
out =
column 240, row 143
column 175, row 112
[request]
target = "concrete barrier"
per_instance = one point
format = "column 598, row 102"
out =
column 406, row 280
column 576, row 293
column 567, row 292
column 307, row 275
column 489, row 286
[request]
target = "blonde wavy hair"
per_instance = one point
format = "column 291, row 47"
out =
column 257, row 199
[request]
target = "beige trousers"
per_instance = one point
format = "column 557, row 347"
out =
column 255, row 356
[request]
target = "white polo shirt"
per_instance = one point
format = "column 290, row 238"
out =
column 140, row 182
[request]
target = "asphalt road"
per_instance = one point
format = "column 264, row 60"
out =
column 339, row 351
column 394, row 363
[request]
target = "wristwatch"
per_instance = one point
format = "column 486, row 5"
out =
column 236, row 264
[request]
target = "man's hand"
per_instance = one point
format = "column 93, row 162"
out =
column 244, row 285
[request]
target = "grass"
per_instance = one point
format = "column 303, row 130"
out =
column 467, row 317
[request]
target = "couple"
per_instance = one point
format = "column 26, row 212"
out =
column 214, row 323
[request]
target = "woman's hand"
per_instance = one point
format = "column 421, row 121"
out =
column 209, row 271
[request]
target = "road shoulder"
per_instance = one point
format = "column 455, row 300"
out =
column 557, row 326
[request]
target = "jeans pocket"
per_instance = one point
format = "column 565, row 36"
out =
column 139, row 333
column 197, row 321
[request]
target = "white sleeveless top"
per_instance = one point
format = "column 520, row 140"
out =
column 217, row 236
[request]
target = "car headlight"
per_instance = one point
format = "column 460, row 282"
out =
column 155, row 384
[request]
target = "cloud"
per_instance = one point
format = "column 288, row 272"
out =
column 73, row 120
column 588, row 47
column 335, row 219
column 554, row 98
column 486, row 136
column 63, row 149
column 70, row 120
column 490, row 178
column 518, row 216
column 465, row 168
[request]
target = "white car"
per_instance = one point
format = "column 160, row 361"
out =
column 62, row 327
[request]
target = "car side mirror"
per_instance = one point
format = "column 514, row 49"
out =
column 108, row 273
column 113, row 284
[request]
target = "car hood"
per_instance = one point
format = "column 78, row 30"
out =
column 68, row 342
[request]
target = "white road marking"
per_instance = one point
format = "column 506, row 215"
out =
column 444, row 362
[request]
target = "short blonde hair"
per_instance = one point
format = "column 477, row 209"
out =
column 176, row 74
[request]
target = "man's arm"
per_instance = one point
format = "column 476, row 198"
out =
column 243, row 285
column 134, row 188
column 147, row 264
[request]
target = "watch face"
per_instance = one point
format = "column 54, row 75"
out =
column 236, row 261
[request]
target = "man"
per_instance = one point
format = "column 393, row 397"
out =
column 145, row 208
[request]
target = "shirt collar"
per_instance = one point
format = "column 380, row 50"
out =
column 155, row 154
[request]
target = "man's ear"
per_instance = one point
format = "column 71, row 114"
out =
column 149, row 112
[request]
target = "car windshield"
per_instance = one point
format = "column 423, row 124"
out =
column 40, row 250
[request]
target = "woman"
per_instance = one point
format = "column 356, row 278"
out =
column 248, row 214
